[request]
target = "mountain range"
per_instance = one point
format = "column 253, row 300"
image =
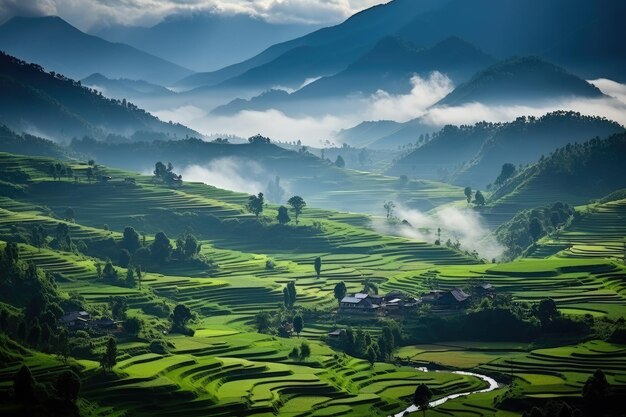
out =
column 58, row 46
column 205, row 41
column 52, row 105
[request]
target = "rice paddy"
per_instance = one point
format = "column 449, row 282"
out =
column 228, row 369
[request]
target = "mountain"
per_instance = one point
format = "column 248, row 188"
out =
column 263, row 101
column 574, row 174
column 211, row 40
column 124, row 88
column 325, row 51
column 449, row 148
column 58, row 46
column 520, row 81
column 582, row 35
column 392, row 62
column 26, row 144
column 389, row 66
column 365, row 133
column 473, row 155
column 525, row 140
column 52, row 105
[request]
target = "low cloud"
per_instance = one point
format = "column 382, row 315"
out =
column 11, row 8
column 403, row 107
column 272, row 123
column 466, row 226
column 234, row 174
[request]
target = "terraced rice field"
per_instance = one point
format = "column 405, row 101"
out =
column 227, row 369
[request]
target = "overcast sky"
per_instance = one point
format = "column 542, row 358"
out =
column 89, row 14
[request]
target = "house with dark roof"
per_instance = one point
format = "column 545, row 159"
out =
column 358, row 303
column 456, row 297
column 75, row 320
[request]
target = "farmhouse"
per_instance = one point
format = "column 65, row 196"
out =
column 358, row 303
column 75, row 320
column 453, row 298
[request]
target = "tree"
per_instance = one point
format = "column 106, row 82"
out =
column 139, row 275
column 161, row 247
column 109, row 273
column 370, row 286
column 340, row 291
column 535, row 228
column 468, row 194
column 62, row 234
column 133, row 326
column 109, row 358
column 67, row 386
column 38, row 236
column 371, row 355
column 305, row 350
column 63, row 345
column 283, row 215
column 70, row 215
column 508, row 171
column 595, row 390
column 255, row 204
column 389, row 206
column 124, row 258
column 339, row 162
column 181, row 316
column 547, row 311
column 24, row 385
column 34, row 335
column 298, row 324
column 130, row 240
column 191, row 246
column 479, row 199
column 422, row 396
column 317, row 264
column 275, row 192
column 263, row 321
column 130, row 277
column 297, row 204
column 294, row 354
column 118, row 306
column 289, row 294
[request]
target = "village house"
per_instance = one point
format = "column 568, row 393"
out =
column 75, row 320
column 358, row 303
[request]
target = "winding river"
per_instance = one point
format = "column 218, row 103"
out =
column 493, row 384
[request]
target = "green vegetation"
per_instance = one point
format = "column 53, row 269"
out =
column 204, row 320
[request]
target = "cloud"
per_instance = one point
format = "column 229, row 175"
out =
column 466, row 226
column 272, row 123
column 87, row 14
column 424, row 93
column 226, row 173
column 11, row 8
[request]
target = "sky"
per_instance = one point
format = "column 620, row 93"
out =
column 93, row 14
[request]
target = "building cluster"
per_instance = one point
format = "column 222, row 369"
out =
column 397, row 301
column 82, row 320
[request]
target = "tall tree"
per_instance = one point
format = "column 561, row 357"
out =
column 130, row 240
column 389, row 206
column 340, row 291
column 468, row 194
column 181, row 316
column 283, row 215
column 422, row 396
column 339, row 162
column 595, row 390
column 479, row 199
column 256, row 204
column 297, row 204
column 508, row 171
column 317, row 264
column 38, row 236
column 109, row 358
column 161, row 247
column 298, row 324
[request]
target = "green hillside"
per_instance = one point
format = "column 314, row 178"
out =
column 224, row 366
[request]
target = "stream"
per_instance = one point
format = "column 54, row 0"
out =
column 493, row 384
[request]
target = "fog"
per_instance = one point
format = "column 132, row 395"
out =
column 234, row 174
column 314, row 130
column 466, row 226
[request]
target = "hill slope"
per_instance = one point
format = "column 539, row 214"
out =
column 473, row 155
column 520, row 81
column 58, row 107
column 60, row 47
